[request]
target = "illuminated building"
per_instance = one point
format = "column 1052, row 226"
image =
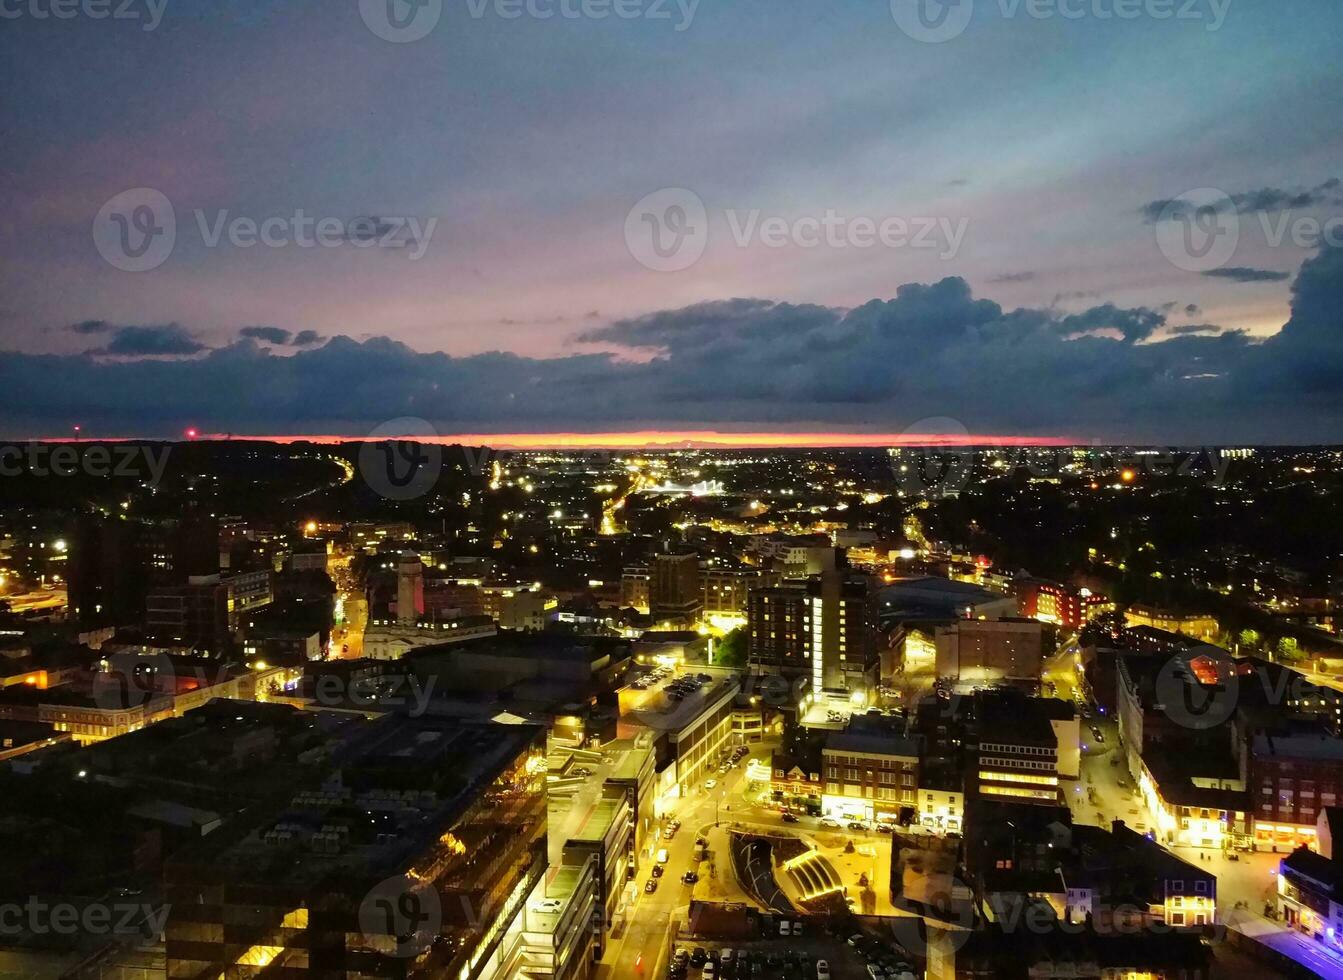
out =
column 1201, row 626
column 941, row 796
column 411, row 851
column 869, row 775
column 605, row 834
column 694, row 734
column 1122, row 878
column 1310, row 897
column 634, row 584
column 796, row 783
column 1060, row 605
column 824, row 629
column 1017, row 753
column 726, row 589
column 987, row 652
column 1296, row 773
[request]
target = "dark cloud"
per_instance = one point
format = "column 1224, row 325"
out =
column 1013, row 277
column 306, row 338
column 933, row 350
column 1264, row 199
column 152, row 340
column 1241, row 273
column 89, row 327
column 1192, row 309
column 1132, row 325
column 271, row 335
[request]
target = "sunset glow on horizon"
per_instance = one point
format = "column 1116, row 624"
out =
column 706, row 439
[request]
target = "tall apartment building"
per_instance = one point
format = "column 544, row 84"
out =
column 674, row 592
column 825, row 629
column 634, row 585
column 196, row 613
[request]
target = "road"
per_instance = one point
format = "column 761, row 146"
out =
column 646, row 933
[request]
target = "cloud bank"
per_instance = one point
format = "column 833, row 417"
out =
column 1106, row 373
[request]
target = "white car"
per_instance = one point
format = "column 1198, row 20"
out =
column 710, row 783
column 822, row 970
column 785, row 928
column 830, row 822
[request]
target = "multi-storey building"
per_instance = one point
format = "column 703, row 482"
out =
column 675, row 595
column 1061, row 605
column 869, row 775
column 431, row 880
column 1016, row 753
column 987, row 652
column 1201, row 626
column 1296, row 772
column 634, row 585
column 824, row 629
column 196, row 614
column 1310, row 897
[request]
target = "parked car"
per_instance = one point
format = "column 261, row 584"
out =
column 652, row 886
column 662, row 855
column 698, row 957
column 797, row 928
column 822, row 970
column 785, row 927
column 830, row 822
column 690, row 877
column 658, row 870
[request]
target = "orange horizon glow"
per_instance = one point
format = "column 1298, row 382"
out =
column 691, row 439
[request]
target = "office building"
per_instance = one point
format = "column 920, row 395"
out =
column 675, row 595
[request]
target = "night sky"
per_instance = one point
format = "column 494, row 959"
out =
column 1040, row 173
